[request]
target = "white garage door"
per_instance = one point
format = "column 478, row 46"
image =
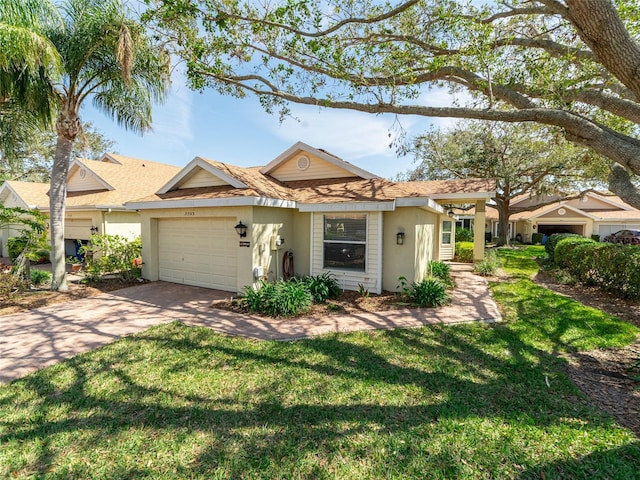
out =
column 199, row 252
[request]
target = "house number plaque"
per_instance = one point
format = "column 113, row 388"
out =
column 245, row 244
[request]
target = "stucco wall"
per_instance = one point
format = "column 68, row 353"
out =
column 269, row 222
column 411, row 259
column 300, row 242
column 126, row 224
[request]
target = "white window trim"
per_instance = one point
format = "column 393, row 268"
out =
column 351, row 242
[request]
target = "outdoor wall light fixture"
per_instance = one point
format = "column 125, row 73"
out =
column 94, row 230
column 241, row 229
column 450, row 213
column 400, row 238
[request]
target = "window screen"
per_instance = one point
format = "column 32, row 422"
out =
column 345, row 242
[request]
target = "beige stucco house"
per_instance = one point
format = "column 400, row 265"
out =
column 97, row 191
column 308, row 208
column 592, row 213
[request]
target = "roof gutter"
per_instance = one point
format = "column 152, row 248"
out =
column 212, row 202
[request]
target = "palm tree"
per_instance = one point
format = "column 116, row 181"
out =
column 108, row 57
column 29, row 62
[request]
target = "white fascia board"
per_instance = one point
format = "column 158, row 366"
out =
column 603, row 198
column 471, row 197
column 420, row 202
column 111, row 158
column 301, row 146
column 111, row 207
column 78, row 163
column 201, row 163
column 553, row 207
column 12, row 191
column 212, row 202
column 348, row 207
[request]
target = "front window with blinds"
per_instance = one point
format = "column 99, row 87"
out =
column 345, row 242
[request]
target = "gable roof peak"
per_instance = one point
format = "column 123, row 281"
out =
column 318, row 152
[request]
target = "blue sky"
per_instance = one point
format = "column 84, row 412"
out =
column 239, row 132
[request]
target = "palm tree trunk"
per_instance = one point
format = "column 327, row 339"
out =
column 68, row 127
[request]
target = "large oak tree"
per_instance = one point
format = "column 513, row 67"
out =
column 530, row 160
column 572, row 64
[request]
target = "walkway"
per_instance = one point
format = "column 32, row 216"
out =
column 32, row 340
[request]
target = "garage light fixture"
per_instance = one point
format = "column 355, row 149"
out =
column 400, row 238
column 241, row 229
column 94, row 230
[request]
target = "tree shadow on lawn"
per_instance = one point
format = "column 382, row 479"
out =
column 433, row 396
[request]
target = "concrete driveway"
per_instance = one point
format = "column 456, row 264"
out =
column 37, row 338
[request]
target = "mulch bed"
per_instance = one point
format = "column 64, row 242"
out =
column 41, row 296
column 608, row 377
column 347, row 303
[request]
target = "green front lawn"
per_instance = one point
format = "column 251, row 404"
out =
column 468, row 401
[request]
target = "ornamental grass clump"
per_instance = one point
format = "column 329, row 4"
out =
column 442, row 271
column 322, row 287
column 430, row 292
column 279, row 299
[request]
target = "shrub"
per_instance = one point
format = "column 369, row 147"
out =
column 442, row 271
column 112, row 254
column 16, row 246
column 322, row 287
column 430, row 292
column 10, row 284
column 553, row 240
column 595, row 237
column 279, row 299
column 464, row 234
column 464, row 252
column 38, row 277
column 564, row 247
column 536, row 238
column 612, row 267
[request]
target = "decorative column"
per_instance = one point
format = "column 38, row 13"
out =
column 478, row 231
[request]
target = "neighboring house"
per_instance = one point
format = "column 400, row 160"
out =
column 593, row 213
column 307, row 212
column 19, row 194
column 96, row 193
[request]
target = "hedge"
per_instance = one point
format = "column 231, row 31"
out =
column 464, row 252
column 612, row 267
column 553, row 240
column 536, row 238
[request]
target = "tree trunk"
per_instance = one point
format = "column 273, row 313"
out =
column 503, row 224
column 68, row 127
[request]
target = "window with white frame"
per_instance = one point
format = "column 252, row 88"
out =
column 446, row 232
column 345, row 242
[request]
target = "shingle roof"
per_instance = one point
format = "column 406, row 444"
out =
column 32, row 193
column 431, row 187
column 353, row 189
column 130, row 179
column 330, row 190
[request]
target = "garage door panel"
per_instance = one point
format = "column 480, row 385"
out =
column 200, row 252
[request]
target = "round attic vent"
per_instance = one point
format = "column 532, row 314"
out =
column 303, row 162
column 82, row 173
column 584, row 199
column 562, row 211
